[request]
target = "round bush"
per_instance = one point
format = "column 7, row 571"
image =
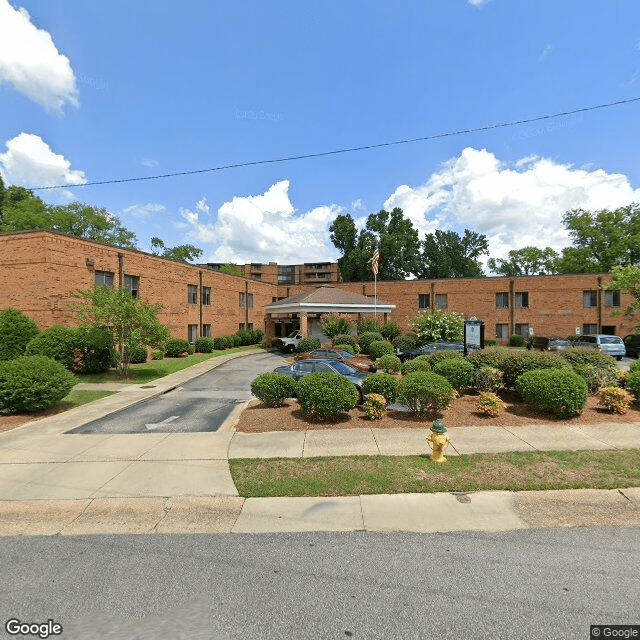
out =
column 324, row 395
column 175, row 347
column 490, row 357
column 515, row 364
column 244, row 336
column 390, row 330
column 224, row 342
column 204, row 344
column 577, row 356
column 406, row 341
column 516, row 341
column 379, row 348
column 417, row 364
column 489, row 404
column 157, row 355
column 375, row 406
column 16, row 332
column 614, row 399
column 346, row 347
column 308, row 344
column 635, row 367
column 32, row 383
column 633, row 384
column 424, row 392
column 383, row 384
column 562, row 391
column 273, row 388
column 444, row 354
column 237, row 342
column 389, row 363
column 457, row 371
column 597, row 377
column 367, row 338
column 56, row 342
column 256, row 336
column 137, row 353
column 369, row 325
column 93, row 350
column 488, row 379
column 191, row 349
column 345, row 339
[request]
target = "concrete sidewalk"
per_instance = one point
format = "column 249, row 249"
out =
column 52, row 482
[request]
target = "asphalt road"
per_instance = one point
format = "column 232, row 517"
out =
column 539, row 584
column 201, row 404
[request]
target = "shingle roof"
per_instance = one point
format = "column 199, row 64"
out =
column 330, row 295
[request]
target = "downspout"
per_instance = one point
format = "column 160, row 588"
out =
column 200, row 296
column 599, row 304
column 120, row 269
column 432, row 299
column 246, row 304
column 512, row 309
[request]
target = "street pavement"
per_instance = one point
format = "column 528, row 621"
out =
column 57, row 476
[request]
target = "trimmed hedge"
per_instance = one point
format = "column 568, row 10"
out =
column 577, row 356
column 444, row 354
column 490, row 357
column 417, row 364
column 204, row 344
column 515, row 364
column 407, row 340
column 389, row 363
column 56, row 342
column 516, row 340
column 343, row 338
column 390, row 330
column 633, row 384
column 273, row 388
column 425, row 392
column 488, row 379
column 369, row 325
column 383, row 384
column 365, row 339
column 176, row 347
column 308, row 344
column 346, row 347
column 137, row 353
column 93, row 350
column 561, row 391
column 224, row 342
column 597, row 377
column 457, row 371
column 325, row 395
column 32, row 383
column 379, row 348
column 16, row 331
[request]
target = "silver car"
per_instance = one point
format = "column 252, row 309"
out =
column 611, row 345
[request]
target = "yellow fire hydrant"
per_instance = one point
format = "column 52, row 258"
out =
column 438, row 441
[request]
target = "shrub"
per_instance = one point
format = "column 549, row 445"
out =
column 346, row 347
column 489, row 404
column 389, row 363
column 436, row 325
column 223, row 342
column 191, row 349
column 488, row 379
column 633, row 384
column 614, row 399
column 175, row 347
column 365, row 339
column 635, row 367
column 369, row 325
column 577, row 356
column 515, row 364
column 406, row 341
column 417, row 364
column 308, row 344
column 622, row 379
column 236, row 340
column 204, row 344
column 375, row 406
column 244, row 336
column 137, row 353
column 597, row 377
column 345, row 339
column 516, row 340
column 56, row 342
column 157, row 355
column 333, row 325
column 490, row 357
column 273, row 388
column 93, row 350
column 382, row 383
column 324, row 395
column 445, row 354
column 390, row 330
column 256, row 336
column 457, row 371
column 490, row 342
column 32, row 383
column 425, row 392
column 379, row 348
column 16, row 331
column 562, row 391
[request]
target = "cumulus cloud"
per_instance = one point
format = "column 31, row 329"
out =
column 514, row 205
column 31, row 63
column 263, row 228
column 29, row 161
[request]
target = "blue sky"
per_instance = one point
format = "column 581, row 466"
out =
column 93, row 91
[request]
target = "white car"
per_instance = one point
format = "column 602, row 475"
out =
column 611, row 345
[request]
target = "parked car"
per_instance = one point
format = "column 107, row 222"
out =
column 429, row 348
column 612, row 345
column 289, row 343
column 302, row 368
column 548, row 344
column 632, row 345
column 361, row 363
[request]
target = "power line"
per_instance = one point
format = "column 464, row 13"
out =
column 334, row 152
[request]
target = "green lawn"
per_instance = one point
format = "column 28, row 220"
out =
column 142, row 373
column 77, row 398
column 360, row 475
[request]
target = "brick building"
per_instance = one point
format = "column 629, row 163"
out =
column 39, row 270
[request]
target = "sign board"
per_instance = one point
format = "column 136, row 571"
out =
column 578, row 331
column 473, row 334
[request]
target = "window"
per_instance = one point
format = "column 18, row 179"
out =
column 589, row 299
column 423, row 301
column 192, row 294
column 241, row 326
column 104, row 278
column 588, row 329
column 133, row 284
column 502, row 331
column 274, row 299
column 241, row 300
column 206, row 330
column 206, row 295
column 250, row 326
column 441, row 300
column 256, row 276
column 612, row 298
column 502, row 300
column 249, row 300
column 192, row 330
column 522, row 330
column 522, row 299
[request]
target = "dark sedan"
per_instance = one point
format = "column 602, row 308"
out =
column 361, row 363
column 429, row 348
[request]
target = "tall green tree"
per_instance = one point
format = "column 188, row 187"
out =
column 446, row 254
column 181, row 253
column 21, row 210
column 627, row 279
column 527, row 261
column 601, row 240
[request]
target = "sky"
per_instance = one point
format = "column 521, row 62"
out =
column 95, row 91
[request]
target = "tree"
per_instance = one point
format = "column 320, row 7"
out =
column 627, row 279
column 527, row 261
column 21, row 210
column 130, row 321
column 231, row 270
column 602, row 240
column 181, row 253
column 445, row 254
column 393, row 234
column 334, row 324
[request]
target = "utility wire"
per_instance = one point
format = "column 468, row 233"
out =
column 379, row 145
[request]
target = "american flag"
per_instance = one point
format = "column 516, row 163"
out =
column 374, row 261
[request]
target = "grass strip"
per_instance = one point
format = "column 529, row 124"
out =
column 148, row 371
column 78, row 398
column 361, row 475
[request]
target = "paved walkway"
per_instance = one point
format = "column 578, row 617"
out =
column 52, row 482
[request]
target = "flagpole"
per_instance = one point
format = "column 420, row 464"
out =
column 375, row 296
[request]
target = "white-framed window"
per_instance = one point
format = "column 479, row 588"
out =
column 206, row 296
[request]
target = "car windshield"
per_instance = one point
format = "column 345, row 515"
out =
column 610, row 340
column 344, row 354
column 558, row 342
column 343, row 368
column 293, row 334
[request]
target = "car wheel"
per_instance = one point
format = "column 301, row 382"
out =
column 618, row 357
column 290, row 348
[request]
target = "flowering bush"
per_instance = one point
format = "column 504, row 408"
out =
column 436, row 325
column 489, row 404
column 375, row 406
column 614, row 399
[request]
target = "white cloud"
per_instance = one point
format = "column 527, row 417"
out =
column 548, row 48
column 31, row 63
column 144, row 210
column 477, row 3
column 514, row 206
column 150, row 164
column 29, row 161
column 263, row 228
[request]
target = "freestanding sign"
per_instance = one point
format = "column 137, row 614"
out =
column 473, row 334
